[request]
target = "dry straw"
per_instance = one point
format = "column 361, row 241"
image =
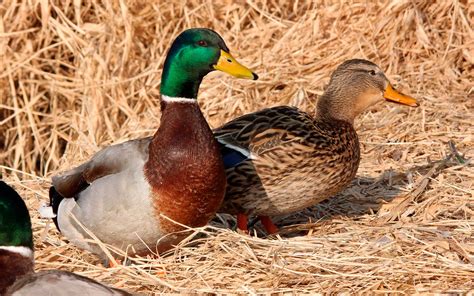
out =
column 78, row 75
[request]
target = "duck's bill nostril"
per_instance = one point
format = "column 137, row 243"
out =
column 228, row 64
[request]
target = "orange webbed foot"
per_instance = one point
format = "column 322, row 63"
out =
column 268, row 224
column 111, row 262
column 242, row 223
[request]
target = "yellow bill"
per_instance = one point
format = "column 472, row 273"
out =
column 391, row 94
column 228, row 64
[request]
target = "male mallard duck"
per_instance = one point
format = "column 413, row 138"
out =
column 17, row 276
column 281, row 160
column 127, row 193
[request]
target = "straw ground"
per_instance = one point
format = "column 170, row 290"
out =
column 78, row 75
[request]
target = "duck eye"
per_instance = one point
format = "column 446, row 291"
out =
column 202, row 43
column 372, row 72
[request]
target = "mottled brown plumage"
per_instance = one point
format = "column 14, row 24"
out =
column 294, row 160
column 286, row 162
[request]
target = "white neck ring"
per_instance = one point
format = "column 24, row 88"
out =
column 177, row 100
column 24, row 251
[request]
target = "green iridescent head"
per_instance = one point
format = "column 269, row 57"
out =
column 15, row 223
column 193, row 54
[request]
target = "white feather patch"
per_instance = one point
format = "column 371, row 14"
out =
column 46, row 212
column 24, row 251
column 244, row 151
column 177, row 99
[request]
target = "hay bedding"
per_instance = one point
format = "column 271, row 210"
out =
column 78, row 75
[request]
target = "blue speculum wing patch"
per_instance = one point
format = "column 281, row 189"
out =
column 231, row 157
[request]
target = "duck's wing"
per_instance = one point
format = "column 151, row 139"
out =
column 55, row 282
column 110, row 160
column 255, row 134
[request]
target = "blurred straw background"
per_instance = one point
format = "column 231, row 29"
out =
column 78, row 75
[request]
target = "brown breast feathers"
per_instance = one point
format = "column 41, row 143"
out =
column 12, row 266
column 185, row 168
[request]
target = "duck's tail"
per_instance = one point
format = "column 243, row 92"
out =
column 54, row 200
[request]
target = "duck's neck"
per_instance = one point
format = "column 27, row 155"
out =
column 341, row 102
column 183, row 135
column 14, row 262
column 330, row 108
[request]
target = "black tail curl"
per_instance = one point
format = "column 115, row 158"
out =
column 54, row 200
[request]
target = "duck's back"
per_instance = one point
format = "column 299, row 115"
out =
column 287, row 160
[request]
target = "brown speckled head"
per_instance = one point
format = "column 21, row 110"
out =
column 354, row 86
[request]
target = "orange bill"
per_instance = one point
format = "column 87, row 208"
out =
column 391, row 94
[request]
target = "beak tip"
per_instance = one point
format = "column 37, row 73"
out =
column 254, row 76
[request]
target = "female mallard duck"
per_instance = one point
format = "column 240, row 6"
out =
column 17, row 276
column 127, row 194
column 281, row 160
